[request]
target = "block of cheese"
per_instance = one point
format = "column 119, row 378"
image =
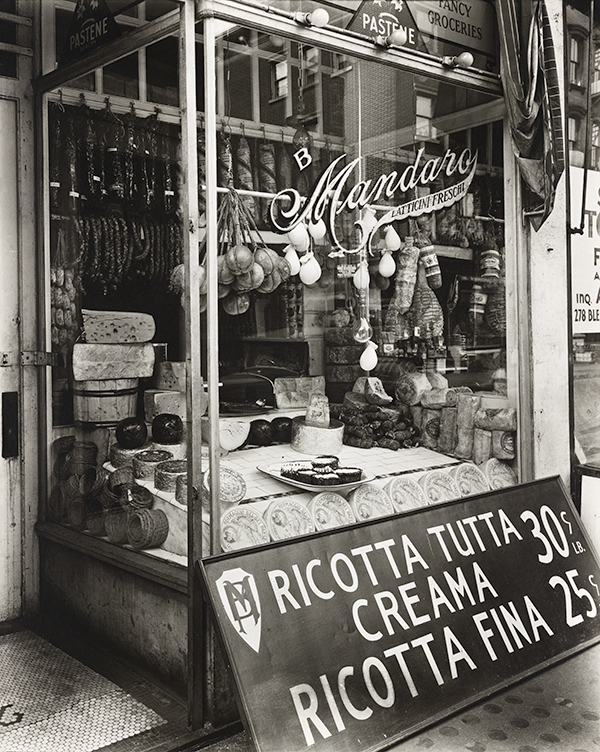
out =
column 117, row 326
column 170, row 375
column 158, row 401
column 118, row 361
column 296, row 392
column 317, row 412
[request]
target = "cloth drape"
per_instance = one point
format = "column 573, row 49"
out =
column 531, row 85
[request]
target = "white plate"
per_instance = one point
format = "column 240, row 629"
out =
column 274, row 472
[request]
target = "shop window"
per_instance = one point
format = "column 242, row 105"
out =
column 297, row 306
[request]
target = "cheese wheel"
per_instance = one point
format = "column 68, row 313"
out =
column 232, row 487
column 242, row 527
column 439, row 486
column 167, row 472
column 144, row 463
column 120, row 457
column 178, row 451
column 405, row 493
column 181, row 489
column 369, row 501
column 469, row 479
column 498, row 474
column 315, row 440
column 329, row 510
column 287, row 518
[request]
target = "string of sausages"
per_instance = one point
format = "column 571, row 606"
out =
column 116, row 249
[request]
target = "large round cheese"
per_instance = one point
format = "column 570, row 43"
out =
column 329, row 510
column 181, row 489
column 369, row 501
column 232, row 487
column 178, row 451
column 144, row 463
column 167, row 472
column 242, row 527
column 439, row 486
column 120, row 457
column 469, row 479
column 498, row 474
column 316, row 439
column 405, row 493
column 287, row 518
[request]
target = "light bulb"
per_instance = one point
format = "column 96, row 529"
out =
column 387, row 265
column 392, row 239
column 310, row 271
column 368, row 359
column 319, row 18
column 363, row 331
column 292, row 258
column 317, row 229
column 361, row 276
column 298, row 237
column 302, row 138
column 397, row 38
column 464, row 60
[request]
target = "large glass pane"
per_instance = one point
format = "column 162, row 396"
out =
column 367, row 209
column 115, row 238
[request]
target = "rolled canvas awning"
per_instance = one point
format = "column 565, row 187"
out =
column 531, row 83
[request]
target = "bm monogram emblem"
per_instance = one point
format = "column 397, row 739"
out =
column 240, row 600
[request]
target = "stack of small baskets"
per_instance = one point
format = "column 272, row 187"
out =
column 88, row 497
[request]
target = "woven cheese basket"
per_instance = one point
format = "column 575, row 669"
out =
column 115, row 521
column 95, row 517
column 147, row 528
column 76, row 512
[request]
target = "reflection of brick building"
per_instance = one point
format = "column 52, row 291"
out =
column 580, row 109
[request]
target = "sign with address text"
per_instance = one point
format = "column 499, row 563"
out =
column 358, row 637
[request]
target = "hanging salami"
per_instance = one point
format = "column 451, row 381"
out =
column 57, row 127
column 243, row 174
column 268, row 182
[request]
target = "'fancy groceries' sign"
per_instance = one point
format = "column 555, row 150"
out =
column 354, row 638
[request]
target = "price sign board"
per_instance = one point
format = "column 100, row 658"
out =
column 355, row 638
